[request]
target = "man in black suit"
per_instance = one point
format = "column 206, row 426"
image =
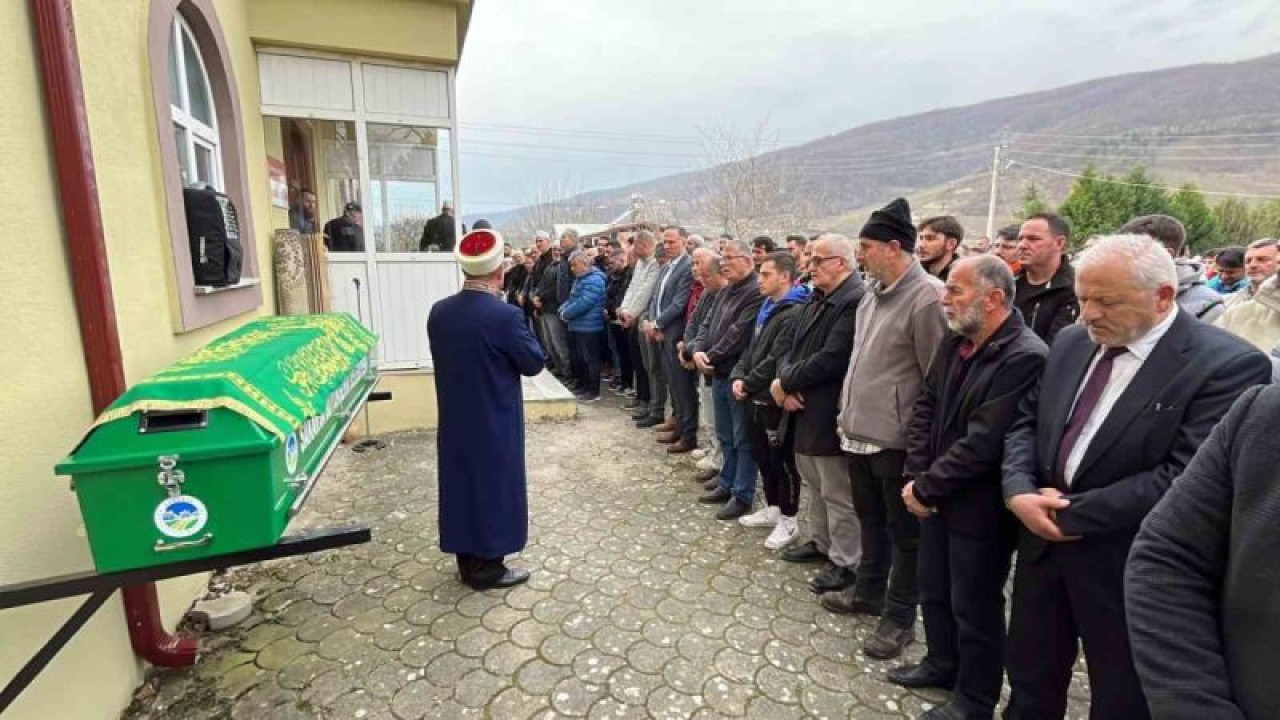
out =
column 955, row 443
column 1201, row 583
column 1126, row 399
column 666, row 327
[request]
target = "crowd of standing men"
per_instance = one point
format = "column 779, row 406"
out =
column 944, row 410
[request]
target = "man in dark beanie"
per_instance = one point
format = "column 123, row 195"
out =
column 897, row 332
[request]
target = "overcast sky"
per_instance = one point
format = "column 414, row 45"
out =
column 546, row 86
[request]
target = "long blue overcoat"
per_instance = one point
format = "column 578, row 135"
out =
column 481, row 346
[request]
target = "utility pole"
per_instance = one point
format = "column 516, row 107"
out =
column 991, row 206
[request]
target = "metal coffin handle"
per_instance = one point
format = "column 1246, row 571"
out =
column 162, row 546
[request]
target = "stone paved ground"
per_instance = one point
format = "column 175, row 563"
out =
column 641, row 605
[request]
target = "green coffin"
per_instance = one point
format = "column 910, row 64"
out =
column 217, row 452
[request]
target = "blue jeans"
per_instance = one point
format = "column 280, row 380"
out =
column 738, row 473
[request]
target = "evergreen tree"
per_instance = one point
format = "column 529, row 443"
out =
column 1203, row 230
column 1267, row 219
column 1097, row 205
column 1239, row 223
column 1143, row 196
column 1032, row 203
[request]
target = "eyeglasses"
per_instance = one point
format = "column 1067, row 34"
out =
column 816, row 260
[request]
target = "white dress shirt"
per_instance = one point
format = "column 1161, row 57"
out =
column 1122, row 371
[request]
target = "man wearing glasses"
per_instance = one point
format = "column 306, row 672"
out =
column 808, row 389
column 716, row 350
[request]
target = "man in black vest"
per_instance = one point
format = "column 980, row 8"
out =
column 1128, row 396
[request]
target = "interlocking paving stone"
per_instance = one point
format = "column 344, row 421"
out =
column 641, row 605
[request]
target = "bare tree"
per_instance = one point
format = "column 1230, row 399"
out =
column 555, row 201
column 749, row 189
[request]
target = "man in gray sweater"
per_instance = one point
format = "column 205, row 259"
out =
column 899, row 326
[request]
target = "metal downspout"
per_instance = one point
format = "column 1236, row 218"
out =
column 91, row 280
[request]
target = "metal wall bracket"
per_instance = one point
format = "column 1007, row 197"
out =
column 100, row 587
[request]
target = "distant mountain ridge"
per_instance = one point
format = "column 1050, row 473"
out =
column 1214, row 124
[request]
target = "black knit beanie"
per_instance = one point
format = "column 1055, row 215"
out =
column 892, row 222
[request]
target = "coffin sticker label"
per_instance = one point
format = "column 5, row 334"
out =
column 181, row 516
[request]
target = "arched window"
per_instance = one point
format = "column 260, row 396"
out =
column 195, row 122
column 200, row 133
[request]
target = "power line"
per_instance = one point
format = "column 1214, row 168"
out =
column 1068, row 146
column 1109, row 156
column 574, row 131
column 1114, row 181
column 574, row 161
column 1131, row 136
column 565, row 148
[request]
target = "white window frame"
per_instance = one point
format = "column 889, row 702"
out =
column 198, row 134
column 361, row 118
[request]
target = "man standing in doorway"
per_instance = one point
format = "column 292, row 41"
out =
column 439, row 233
column 346, row 232
column 303, row 217
column 481, row 347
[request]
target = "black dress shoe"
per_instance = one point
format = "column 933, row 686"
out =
column 804, row 553
column 510, row 578
column 715, row 497
column 920, row 675
column 733, row 510
column 888, row 641
column 832, row 578
column 951, row 712
column 848, row 602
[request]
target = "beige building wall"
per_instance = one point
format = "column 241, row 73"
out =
column 409, row 29
column 47, row 406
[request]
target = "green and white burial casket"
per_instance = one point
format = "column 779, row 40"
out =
column 217, row 452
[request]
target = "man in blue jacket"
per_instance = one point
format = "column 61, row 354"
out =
column 583, row 311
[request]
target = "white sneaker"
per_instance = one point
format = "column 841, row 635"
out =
column 783, row 533
column 707, row 463
column 698, row 453
column 764, row 517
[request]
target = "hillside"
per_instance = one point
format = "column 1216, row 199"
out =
column 1217, row 125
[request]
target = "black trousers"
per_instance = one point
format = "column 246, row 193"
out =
column 587, row 350
column 890, row 535
column 473, row 568
column 577, row 362
column 683, row 386
column 775, row 456
column 1074, row 591
column 637, row 366
column 625, row 372
column 962, row 578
